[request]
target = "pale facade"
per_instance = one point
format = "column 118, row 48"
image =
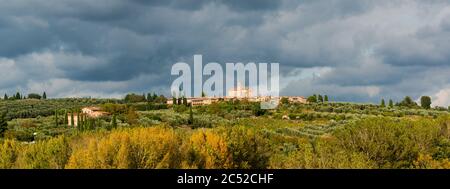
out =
column 240, row 92
column 93, row 112
column 296, row 99
column 198, row 101
column 75, row 119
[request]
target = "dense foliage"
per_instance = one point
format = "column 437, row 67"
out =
column 233, row 134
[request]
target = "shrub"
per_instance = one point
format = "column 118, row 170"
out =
column 154, row 147
column 53, row 153
column 9, row 150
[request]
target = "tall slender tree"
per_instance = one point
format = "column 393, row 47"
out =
column 383, row 104
column 185, row 102
column 72, row 122
column 114, row 121
column 44, row 95
column 325, row 98
column 5, row 97
column 78, row 119
column 391, row 103
column 191, row 115
column 149, row 97
column 65, row 118
column 320, row 98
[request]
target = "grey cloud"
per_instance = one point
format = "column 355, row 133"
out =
column 131, row 45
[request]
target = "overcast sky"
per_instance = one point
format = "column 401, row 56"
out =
column 351, row 50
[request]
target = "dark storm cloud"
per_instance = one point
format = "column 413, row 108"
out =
column 360, row 50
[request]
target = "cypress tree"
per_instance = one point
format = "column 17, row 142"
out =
column 320, row 98
column 191, row 115
column 65, row 118
column 78, row 119
column 185, row 101
column 5, row 97
column 114, row 121
column 44, row 96
column 391, row 103
column 72, row 122
column 81, row 123
column 325, row 98
column 383, row 104
column 85, row 122
column 149, row 97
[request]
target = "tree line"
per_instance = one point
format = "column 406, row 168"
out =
column 149, row 97
column 317, row 98
column 425, row 102
column 19, row 96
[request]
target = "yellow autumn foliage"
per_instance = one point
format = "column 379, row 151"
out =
column 208, row 150
column 9, row 150
column 155, row 147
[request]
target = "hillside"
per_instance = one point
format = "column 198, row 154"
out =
column 228, row 135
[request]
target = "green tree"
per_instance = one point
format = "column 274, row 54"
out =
column 114, row 121
column 391, row 103
column 185, row 102
column 78, row 118
column 179, row 101
column 44, row 96
column 132, row 98
column 82, row 122
column 203, row 94
column 149, row 97
column 174, row 100
column 132, row 117
column 257, row 111
column 5, row 97
column 312, row 99
column 18, row 96
column 383, row 104
column 161, row 99
column 425, row 102
column 191, row 115
column 65, row 118
column 408, row 102
column 284, row 100
column 326, row 98
column 320, row 98
column 34, row 96
column 72, row 122
column 3, row 124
